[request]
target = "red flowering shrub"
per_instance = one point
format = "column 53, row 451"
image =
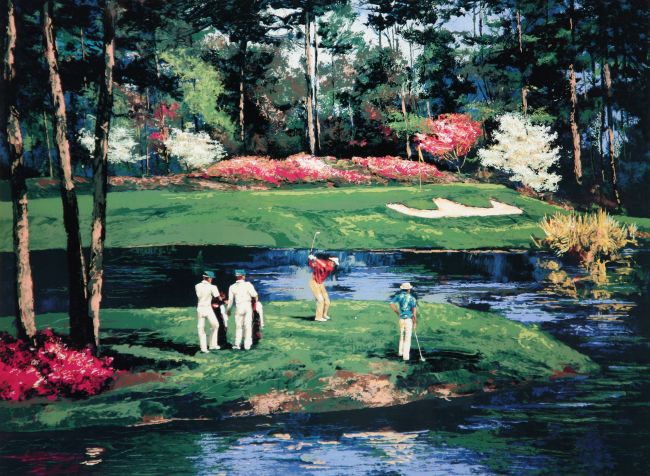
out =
column 51, row 369
column 395, row 168
column 450, row 137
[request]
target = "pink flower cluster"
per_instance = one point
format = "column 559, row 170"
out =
column 292, row 170
column 51, row 369
column 450, row 134
column 395, row 168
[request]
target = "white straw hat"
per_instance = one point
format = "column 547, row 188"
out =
column 406, row 286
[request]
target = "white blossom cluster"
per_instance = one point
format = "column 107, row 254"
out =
column 214, row 41
column 524, row 150
column 122, row 145
column 194, row 150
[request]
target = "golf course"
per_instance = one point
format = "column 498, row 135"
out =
column 299, row 365
column 354, row 217
column 347, row 218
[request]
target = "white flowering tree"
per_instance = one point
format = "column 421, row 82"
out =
column 194, row 150
column 525, row 151
column 122, row 145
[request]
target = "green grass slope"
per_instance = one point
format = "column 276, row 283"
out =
column 348, row 218
column 300, row 365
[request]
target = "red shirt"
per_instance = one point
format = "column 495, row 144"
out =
column 322, row 269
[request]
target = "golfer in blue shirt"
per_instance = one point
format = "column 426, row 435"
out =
column 405, row 306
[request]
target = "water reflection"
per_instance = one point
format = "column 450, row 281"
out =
column 164, row 276
column 584, row 425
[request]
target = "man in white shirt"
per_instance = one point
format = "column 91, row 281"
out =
column 241, row 294
column 205, row 291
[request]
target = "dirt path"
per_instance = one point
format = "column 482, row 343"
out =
column 449, row 209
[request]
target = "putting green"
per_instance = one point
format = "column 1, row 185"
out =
column 348, row 218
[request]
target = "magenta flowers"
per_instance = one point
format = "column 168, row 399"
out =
column 394, row 168
column 50, row 370
column 309, row 169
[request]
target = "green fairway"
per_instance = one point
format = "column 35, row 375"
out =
column 300, row 365
column 348, row 218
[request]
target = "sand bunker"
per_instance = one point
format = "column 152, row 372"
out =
column 449, row 209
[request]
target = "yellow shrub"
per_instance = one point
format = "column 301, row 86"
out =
column 595, row 238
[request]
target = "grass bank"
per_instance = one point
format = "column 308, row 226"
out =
column 348, row 218
column 299, row 366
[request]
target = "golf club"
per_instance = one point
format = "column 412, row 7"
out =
column 422, row 359
column 313, row 242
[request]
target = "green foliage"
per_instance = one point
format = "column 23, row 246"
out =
column 201, row 87
column 412, row 124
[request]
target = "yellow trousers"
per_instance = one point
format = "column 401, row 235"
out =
column 322, row 298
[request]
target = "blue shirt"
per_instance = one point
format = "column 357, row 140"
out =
column 405, row 303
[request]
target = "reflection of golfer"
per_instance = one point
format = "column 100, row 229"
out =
column 241, row 294
column 405, row 306
column 205, row 291
column 322, row 268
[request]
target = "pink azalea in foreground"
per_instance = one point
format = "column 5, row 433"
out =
column 395, row 168
column 52, row 370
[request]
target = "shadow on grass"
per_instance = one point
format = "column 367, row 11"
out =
column 304, row 318
column 436, row 360
column 148, row 339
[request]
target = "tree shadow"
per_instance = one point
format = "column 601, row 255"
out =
column 147, row 339
column 304, row 318
column 436, row 360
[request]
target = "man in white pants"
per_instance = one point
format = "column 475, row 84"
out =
column 205, row 291
column 405, row 306
column 241, row 294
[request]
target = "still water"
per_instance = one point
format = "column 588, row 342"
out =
column 589, row 425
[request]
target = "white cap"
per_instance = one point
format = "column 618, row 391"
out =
column 406, row 286
column 335, row 260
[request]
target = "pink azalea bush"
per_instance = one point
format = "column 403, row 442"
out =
column 296, row 169
column 51, row 369
column 395, row 168
column 450, row 136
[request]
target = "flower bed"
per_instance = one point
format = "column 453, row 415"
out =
column 51, row 369
column 395, row 168
column 295, row 169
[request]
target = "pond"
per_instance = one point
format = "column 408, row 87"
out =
column 586, row 425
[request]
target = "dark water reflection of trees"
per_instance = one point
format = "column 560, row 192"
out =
column 585, row 425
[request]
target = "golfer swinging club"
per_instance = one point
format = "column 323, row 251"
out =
column 405, row 306
column 322, row 268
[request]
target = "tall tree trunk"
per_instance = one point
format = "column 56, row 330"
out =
column 146, row 132
column 610, row 131
column 577, row 161
column 311, row 132
column 315, row 88
column 81, row 326
column 406, row 124
column 243, row 45
column 100, row 172
column 83, row 50
column 524, row 89
column 47, row 143
column 24, row 290
column 575, row 135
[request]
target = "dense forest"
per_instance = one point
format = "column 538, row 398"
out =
column 274, row 78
